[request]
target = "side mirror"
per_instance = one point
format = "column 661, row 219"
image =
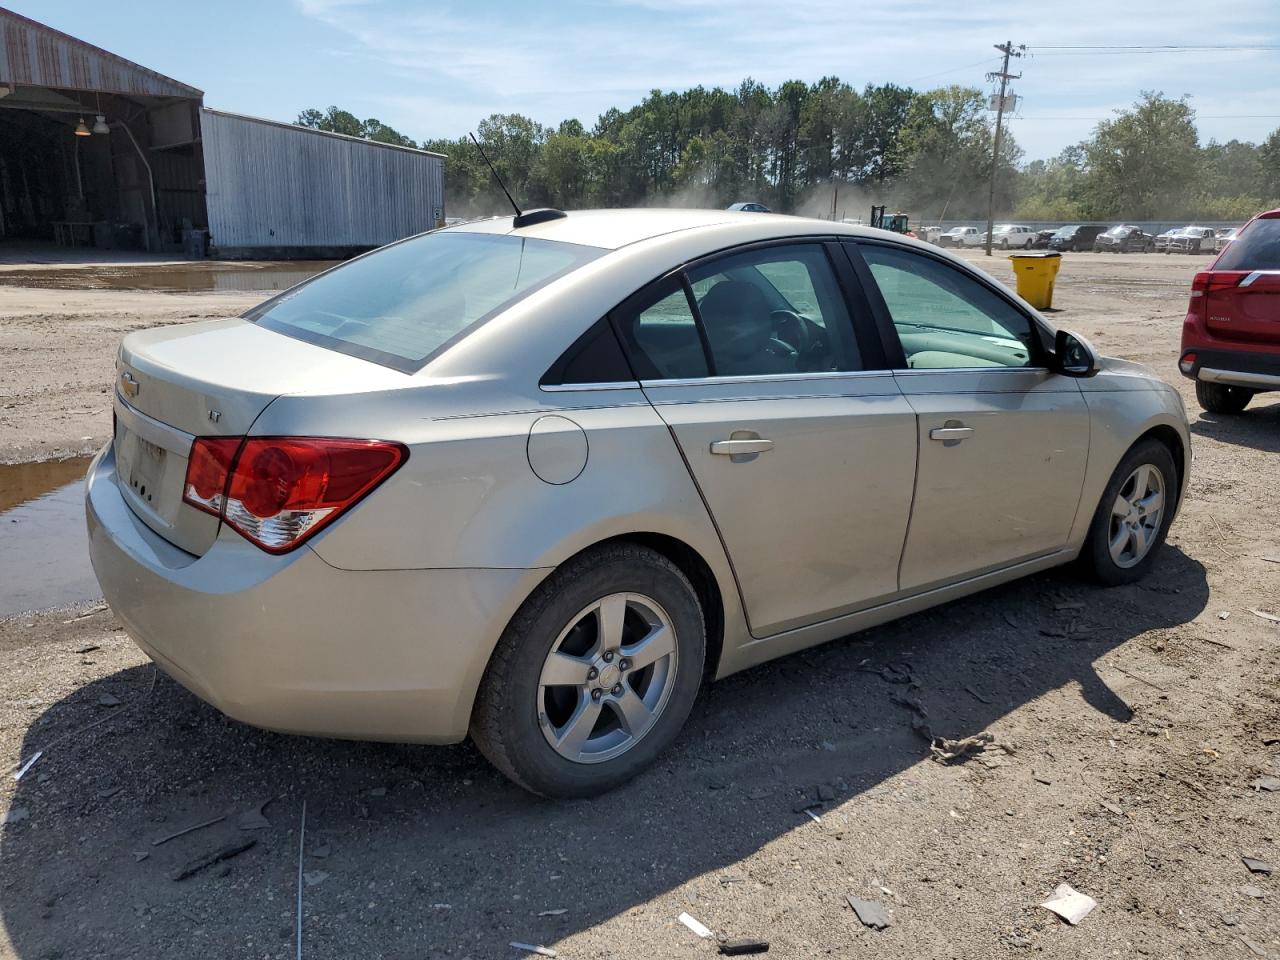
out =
column 1074, row 356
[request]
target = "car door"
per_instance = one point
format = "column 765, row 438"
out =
column 1003, row 441
column 796, row 434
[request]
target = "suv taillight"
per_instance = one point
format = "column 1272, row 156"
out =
column 1212, row 281
column 278, row 491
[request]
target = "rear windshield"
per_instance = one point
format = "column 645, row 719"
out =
column 401, row 305
column 1256, row 247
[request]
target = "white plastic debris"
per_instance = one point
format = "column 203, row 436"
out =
column 697, row 926
column 533, row 948
column 1071, row 905
column 28, row 765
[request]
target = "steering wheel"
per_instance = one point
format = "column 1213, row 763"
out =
column 791, row 329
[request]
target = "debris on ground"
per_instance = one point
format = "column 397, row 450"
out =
column 1108, row 805
column 108, row 700
column 185, row 830
column 696, row 925
column 192, row 867
column 1262, row 614
column 253, row 818
column 533, row 948
column 871, row 912
column 109, row 793
column 1070, row 904
column 1259, row 866
column 320, row 852
column 805, row 805
column 140, row 855
column 1224, row 614
column 16, row 813
column 31, row 761
column 826, row 792
column 946, row 751
column 315, row 877
column 896, row 673
column 920, row 713
column 742, row 948
column 1254, row 948
column 89, row 649
column 558, row 912
column 812, row 816
column 1270, row 784
column 1251, row 890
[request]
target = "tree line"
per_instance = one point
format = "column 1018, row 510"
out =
column 827, row 149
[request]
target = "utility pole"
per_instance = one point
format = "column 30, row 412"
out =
column 1004, row 76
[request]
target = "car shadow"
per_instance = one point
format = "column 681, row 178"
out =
column 1258, row 427
column 421, row 851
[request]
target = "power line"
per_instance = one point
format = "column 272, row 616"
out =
column 1201, row 116
column 967, row 66
column 1152, row 47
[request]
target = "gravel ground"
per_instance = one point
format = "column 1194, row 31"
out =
column 1131, row 725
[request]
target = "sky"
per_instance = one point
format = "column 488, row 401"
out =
column 434, row 69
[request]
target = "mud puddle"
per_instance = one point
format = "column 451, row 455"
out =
column 210, row 277
column 44, row 551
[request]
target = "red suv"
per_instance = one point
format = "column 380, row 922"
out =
column 1231, row 337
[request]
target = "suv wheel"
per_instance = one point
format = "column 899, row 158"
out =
column 1133, row 517
column 1221, row 398
column 594, row 676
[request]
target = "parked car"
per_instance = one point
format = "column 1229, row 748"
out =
column 1226, row 236
column 1162, row 240
column 1006, row 235
column 1042, row 239
column 1075, row 236
column 1124, row 239
column 1231, row 336
column 1194, row 240
column 498, row 479
column 961, row 237
column 749, row 206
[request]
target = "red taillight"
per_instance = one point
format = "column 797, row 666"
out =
column 207, row 470
column 1212, row 281
column 278, row 491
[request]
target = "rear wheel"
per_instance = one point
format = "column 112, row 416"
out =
column 594, row 676
column 1133, row 517
column 1221, row 398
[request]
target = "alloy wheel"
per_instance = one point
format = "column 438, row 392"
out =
column 1136, row 516
column 607, row 678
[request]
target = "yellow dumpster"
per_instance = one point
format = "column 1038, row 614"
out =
column 1034, row 273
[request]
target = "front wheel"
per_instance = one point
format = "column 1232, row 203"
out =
column 1133, row 516
column 1004, row 244
column 1221, row 398
column 594, row 676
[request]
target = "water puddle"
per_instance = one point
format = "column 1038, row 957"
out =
column 44, row 550
column 206, row 277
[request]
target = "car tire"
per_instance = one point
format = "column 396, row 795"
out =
column 1027, row 245
column 1004, row 244
column 1222, row 398
column 515, row 717
column 1137, row 552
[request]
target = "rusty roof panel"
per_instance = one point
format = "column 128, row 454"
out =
column 33, row 54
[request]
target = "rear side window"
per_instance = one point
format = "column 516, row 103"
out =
column 1256, row 247
column 596, row 357
column 400, row 305
column 660, row 333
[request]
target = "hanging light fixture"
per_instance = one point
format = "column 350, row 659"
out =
column 82, row 130
column 100, row 125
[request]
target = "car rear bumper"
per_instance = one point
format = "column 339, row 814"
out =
column 1254, row 369
column 293, row 644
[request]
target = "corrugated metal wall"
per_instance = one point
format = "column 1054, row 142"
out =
column 277, row 185
column 36, row 55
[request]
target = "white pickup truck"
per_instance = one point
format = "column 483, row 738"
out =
column 961, row 237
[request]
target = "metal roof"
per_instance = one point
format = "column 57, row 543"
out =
column 32, row 54
column 320, row 133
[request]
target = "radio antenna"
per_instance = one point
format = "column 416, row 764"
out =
column 514, row 205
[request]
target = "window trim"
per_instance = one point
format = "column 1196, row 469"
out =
column 1041, row 351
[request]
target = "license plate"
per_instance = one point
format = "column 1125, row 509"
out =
column 143, row 463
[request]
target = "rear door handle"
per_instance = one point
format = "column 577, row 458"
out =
column 950, row 433
column 733, row 448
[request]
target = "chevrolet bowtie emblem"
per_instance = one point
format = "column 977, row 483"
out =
column 129, row 385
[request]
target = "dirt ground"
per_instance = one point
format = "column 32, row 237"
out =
column 1135, row 724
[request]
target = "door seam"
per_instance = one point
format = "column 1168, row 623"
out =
column 915, row 485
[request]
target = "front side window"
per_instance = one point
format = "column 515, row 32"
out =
column 947, row 320
column 400, row 305
column 774, row 310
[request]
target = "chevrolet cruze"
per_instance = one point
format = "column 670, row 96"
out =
column 534, row 481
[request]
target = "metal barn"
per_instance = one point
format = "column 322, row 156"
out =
column 98, row 151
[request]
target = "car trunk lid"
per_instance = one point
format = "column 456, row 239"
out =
column 208, row 379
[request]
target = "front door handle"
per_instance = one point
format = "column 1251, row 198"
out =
column 950, row 433
column 734, row 448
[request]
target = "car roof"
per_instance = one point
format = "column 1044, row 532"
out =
column 614, row 229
